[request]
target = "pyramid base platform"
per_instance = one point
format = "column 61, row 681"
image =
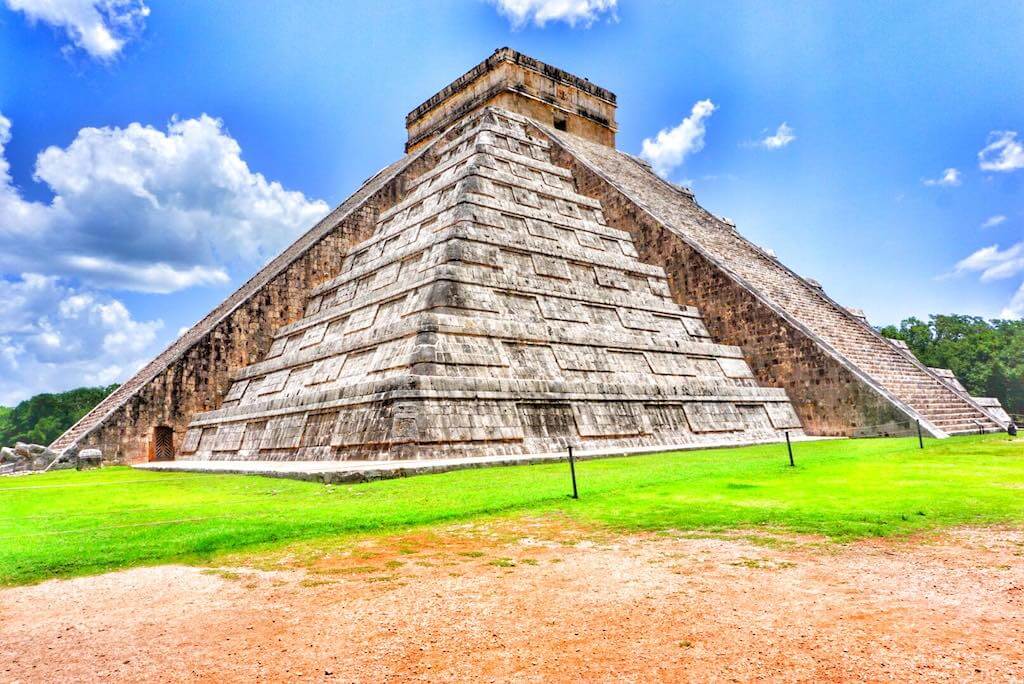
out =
column 330, row 472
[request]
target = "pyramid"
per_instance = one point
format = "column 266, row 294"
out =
column 514, row 284
column 492, row 311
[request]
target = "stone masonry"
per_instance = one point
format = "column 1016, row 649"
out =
column 492, row 311
column 562, row 292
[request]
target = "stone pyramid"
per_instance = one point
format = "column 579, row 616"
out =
column 501, row 288
column 492, row 311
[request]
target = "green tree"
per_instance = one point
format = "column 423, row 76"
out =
column 987, row 356
column 43, row 418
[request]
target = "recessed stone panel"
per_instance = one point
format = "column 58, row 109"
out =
column 519, row 307
column 361, row 319
column 532, row 360
column 607, row 419
column 297, row 381
column 735, row 368
column 344, row 294
column 387, row 275
column 357, row 364
column 237, row 390
column 609, row 277
column 283, row 432
column 326, row 370
column 313, row 307
column 191, row 441
column 782, row 415
column 755, row 417
column 581, row 358
column 668, row 363
column 659, row 287
column 558, row 309
column 542, row 230
column 229, row 437
column 637, row 319
column 314, row 335
column 362, row 425
column 551, row 267
column 667, row 418
column 589, row 240
column 695, row 327
column 277, row 348
column 207, row 438
column 547, row 421
column 274, row 382
column 253, row 435
column 318, row 429
column 628, row 362
column 713, row 416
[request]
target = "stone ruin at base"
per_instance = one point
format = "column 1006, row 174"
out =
column 25, row 458
column 515, row 284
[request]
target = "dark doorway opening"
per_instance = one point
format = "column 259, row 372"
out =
column 163, row 443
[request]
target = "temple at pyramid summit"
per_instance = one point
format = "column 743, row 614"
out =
column 514, row 284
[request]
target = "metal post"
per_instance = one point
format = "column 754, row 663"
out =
column 572, row 470
column 789, row 448
column 920, row 439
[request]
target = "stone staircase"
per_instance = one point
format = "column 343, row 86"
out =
column 803, row 303
column 892, row 368
column 92, row 418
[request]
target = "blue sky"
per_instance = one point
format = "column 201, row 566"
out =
column 155, row 154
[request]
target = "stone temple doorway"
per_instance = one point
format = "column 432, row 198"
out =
column 163, row 443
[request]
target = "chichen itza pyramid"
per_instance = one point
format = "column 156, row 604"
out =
column 514, row 284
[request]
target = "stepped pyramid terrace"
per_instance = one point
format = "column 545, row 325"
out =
column 514, row 285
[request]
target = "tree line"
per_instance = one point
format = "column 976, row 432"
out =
column 44, row 417
column 986, row 356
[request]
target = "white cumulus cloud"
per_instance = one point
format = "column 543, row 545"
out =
column 993, row 221
column 145, row 209
column 667, row 150
column 994, row 263
column 1015, row 308
column 950, row 178
column 54, row 336
column 1003, row 152
column 99, row 27
column 783, row 135
column 540, row 12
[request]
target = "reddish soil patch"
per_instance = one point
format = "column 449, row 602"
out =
column 534, row 600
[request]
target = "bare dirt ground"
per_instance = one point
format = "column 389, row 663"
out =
column 539, row 599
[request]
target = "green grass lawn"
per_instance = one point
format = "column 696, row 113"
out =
column 70, row 523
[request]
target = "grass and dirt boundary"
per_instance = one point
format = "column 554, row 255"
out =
column 73, row 523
